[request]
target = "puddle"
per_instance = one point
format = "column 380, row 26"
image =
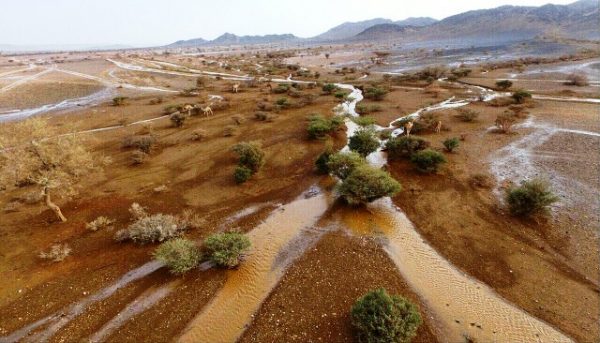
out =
column 226, row 317
column 463, row 306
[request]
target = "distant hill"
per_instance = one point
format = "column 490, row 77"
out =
column 383, row 31
column 420, row 21
column 349, row 29
column 232, row 39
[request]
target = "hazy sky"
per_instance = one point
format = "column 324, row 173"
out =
column 150, row 22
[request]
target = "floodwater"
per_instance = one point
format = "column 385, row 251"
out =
column 225, row 318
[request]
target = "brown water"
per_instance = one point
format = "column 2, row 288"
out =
column 226, row 317
column 463, row 306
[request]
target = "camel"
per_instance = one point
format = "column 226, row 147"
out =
column 407, row 127
column 207, row 111
column 235, row 88
column 188, row 108
column 438, row 127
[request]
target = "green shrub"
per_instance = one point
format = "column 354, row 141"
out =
column 283, row 102
column 382, row 318
column 226, row 249
column 340, row 94
column 375, row 93
column 144, row 143
column 466, row 115
column 504, row 84
column 250, row 155
column 427, row 161
column 365, row 109
column 179, row 255
column 319, row 126
column 530, row 197
column 364, row 120
column 281, row 88
column 401, row 147
column 366, row 184
column 364, row 142
column 451, row 143
column 323, row 159
column 329, row 88
column 342, row 164
column 119, row 100
column 520, row 96
column 242, row 174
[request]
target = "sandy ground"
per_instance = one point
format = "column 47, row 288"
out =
column 548, row 267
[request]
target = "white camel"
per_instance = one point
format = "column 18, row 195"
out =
column 235, row 87
column 438, row 127
column 207, row 111
column 407, row 127
column 188, row 108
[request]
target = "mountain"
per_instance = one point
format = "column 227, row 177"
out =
column 420, row 21
column 231, row 39
column 383, row 31
column 349, row 29
column 504, row 24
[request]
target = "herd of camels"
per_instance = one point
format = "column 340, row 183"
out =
column 207, row 111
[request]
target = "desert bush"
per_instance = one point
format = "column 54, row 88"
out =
column 180, row 255
column 427, row 161
column 229, row 131
column 319, row 126
column 460, row 72
column 190, row 219
column 340, row 94
column 520, row 96
column 199, row 135
column 366, row 109
column 530, row 197
column 242, row 174
column 480, row 181
column 226, row 249
column 177, row 119
column 237, row 119
column 156, row 101
column 283, row 102
column 402, row 147
column 155, row 228
column 364, row 120
column 451, row 143
column 57, row 253
column 99, row 223
column 220, row 105
column 577, row 79
column 144, row 143
column 466, row 115
column 375, row 93
column 323, row 159
column 329, row 88
column 364, row 142
column 137, row 211
column 281, row 88
column 504, row 84
column 171, row 109
column 382, row 318
column 250, row 155
column 366, row 184
column 138, row 157
column 342, row 164
column 119, row 100
column 505, row 121
column 200, row 83
column 262, row 116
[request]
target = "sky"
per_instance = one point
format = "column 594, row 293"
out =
column 157, row 22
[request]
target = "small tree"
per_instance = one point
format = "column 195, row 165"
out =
column 504, row 84
column 521, row 95
column 119, row 100
column 342, row 164
column 323, row 159
column 505, row 121
column 242, row 174
column 382, row 318
column 226, row 249
column 364, row 142
column 318, row 126
column 178, row 119
column 427, row 161
column 179, row 255
column 33, row 154
column 364, row 121
column 466, row 115
column 250, row 155
column 530, row 197
column 400, row 147
column 451, row 143
column 366, row 184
